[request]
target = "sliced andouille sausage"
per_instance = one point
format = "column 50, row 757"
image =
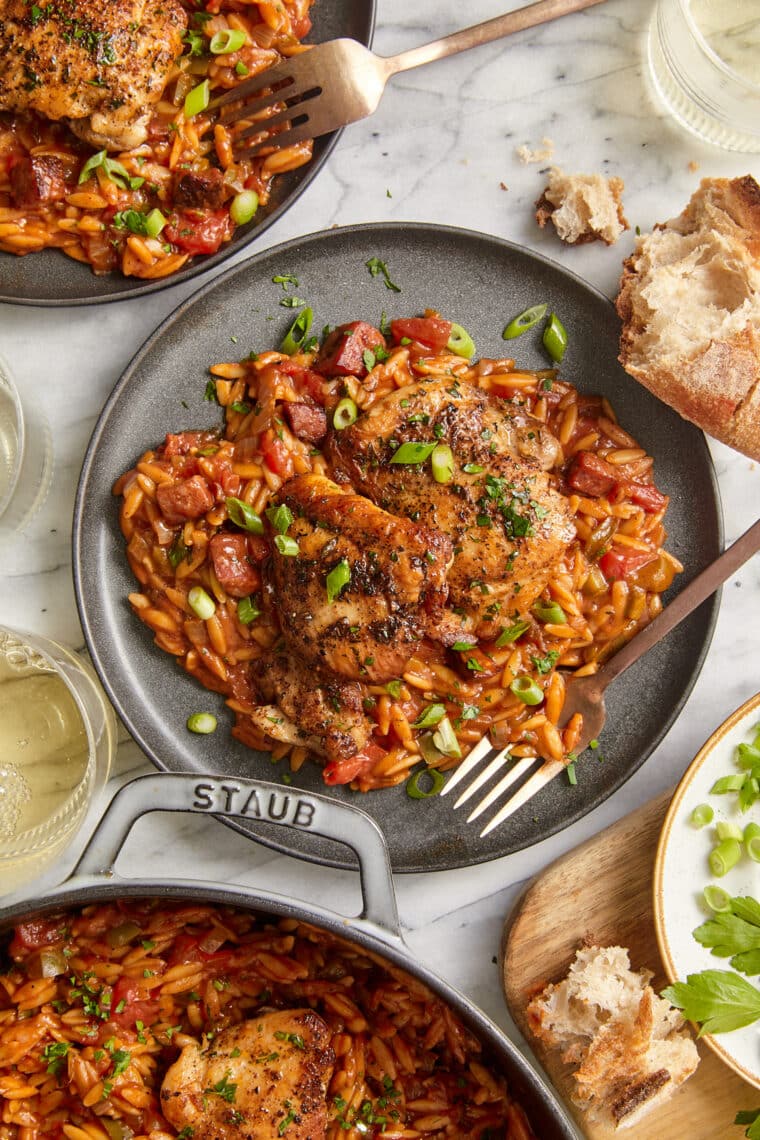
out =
column 591, row 475
column 197, row 188
column 36, row 179
column 307, row 421
column 185, row 499
column 229, row 555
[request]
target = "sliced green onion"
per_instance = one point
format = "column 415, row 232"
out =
column 445, row 739
column 526, row 690
column 511, row 633
column 411, row 453
column 572, row 777
column 280, row 517
column 243, row 206
column 226, row 41
column 197, row 100
column 296, row 334
column 442, row 463
column 122, row 934
column 243, row 515
column 241, row 68
column 753, row 848
column 285, row 545
column 702, row 815
column 461, row 342
column 154, row 223
column 751, row 831
column 463, row 646
column 550, row 612
column 524, row 321
column 202, row 723
column 725, row 830
column 247, row 610
column 345, row 413
column 114, row 171
column 727, row 784
column 725, row 856
column 201, row 603
column 430, row 754
column 748, row 755
column 430, row 716
column 339, row 576
column 716, row 898
column 413, row 789
column 555, row 338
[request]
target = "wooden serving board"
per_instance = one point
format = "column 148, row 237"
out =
column 601, row 892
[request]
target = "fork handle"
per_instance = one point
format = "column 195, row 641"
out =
column 485, row 33
column 685, row 603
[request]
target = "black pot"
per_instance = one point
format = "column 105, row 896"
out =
column 376, row 928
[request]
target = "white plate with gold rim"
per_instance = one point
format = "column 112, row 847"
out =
column 682, row 872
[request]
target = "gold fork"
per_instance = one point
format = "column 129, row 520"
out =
column 585, row 695
column 338, row 82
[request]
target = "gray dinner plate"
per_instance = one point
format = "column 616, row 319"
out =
column 50, row 278
column 481, row 282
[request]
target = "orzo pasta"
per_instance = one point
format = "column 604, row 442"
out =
column 97, row 1005
column 143, row 200
column 389, row 550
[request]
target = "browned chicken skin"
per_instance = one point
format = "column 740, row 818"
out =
column 310, row 706
column 367, row 626
column 508, row 526
column 259, row 1080
column 98, row 65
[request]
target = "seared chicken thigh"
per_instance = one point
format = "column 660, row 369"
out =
column 509, row 527
column 310, row 706
column 259, row 1080
column 98, row 65
column 359, row 588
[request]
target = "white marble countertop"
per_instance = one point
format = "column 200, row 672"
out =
column 444, row 144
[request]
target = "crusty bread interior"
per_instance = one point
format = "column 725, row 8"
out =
column 631, row 1048
column 689, row 300
column 583, row 207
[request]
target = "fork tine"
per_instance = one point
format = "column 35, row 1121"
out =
column 263, row 125
column 481, row 749
column 255, row 85
column 293, row 100
column 530, row 788
column 283, row 139
column 490, row 769
column 520, row 768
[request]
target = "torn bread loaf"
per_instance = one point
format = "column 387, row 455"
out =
column 631, row 1048
column 583, row 207
column 689, row 300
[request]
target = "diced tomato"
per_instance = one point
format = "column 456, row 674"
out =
column 432, row 333
column 645, row 495
column 343, row 352
column 129, row 1004
column 199, row 231
column 346, row 770
column 276, row 455
column 618, row 563
column 37, row 933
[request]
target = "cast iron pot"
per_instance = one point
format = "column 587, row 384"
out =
column 94, row 879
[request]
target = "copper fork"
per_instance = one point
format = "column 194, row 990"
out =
column 585, row 695
column 338, row 82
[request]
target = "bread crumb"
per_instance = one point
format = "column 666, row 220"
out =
column 526, row 155
column 693, row 166
column 583, row 207
column 631, row 1047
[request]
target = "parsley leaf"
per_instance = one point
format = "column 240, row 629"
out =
column 735, row 934
column 378, row 268
column 717, row 999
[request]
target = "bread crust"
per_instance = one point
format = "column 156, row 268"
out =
column 689, row 302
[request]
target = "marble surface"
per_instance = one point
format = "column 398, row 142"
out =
column 441, row 148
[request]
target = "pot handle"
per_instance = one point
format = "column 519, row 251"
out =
column 250, row 799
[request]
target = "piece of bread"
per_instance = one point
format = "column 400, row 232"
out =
column 689, row 300
column 583, row 207
column 631, row 1048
